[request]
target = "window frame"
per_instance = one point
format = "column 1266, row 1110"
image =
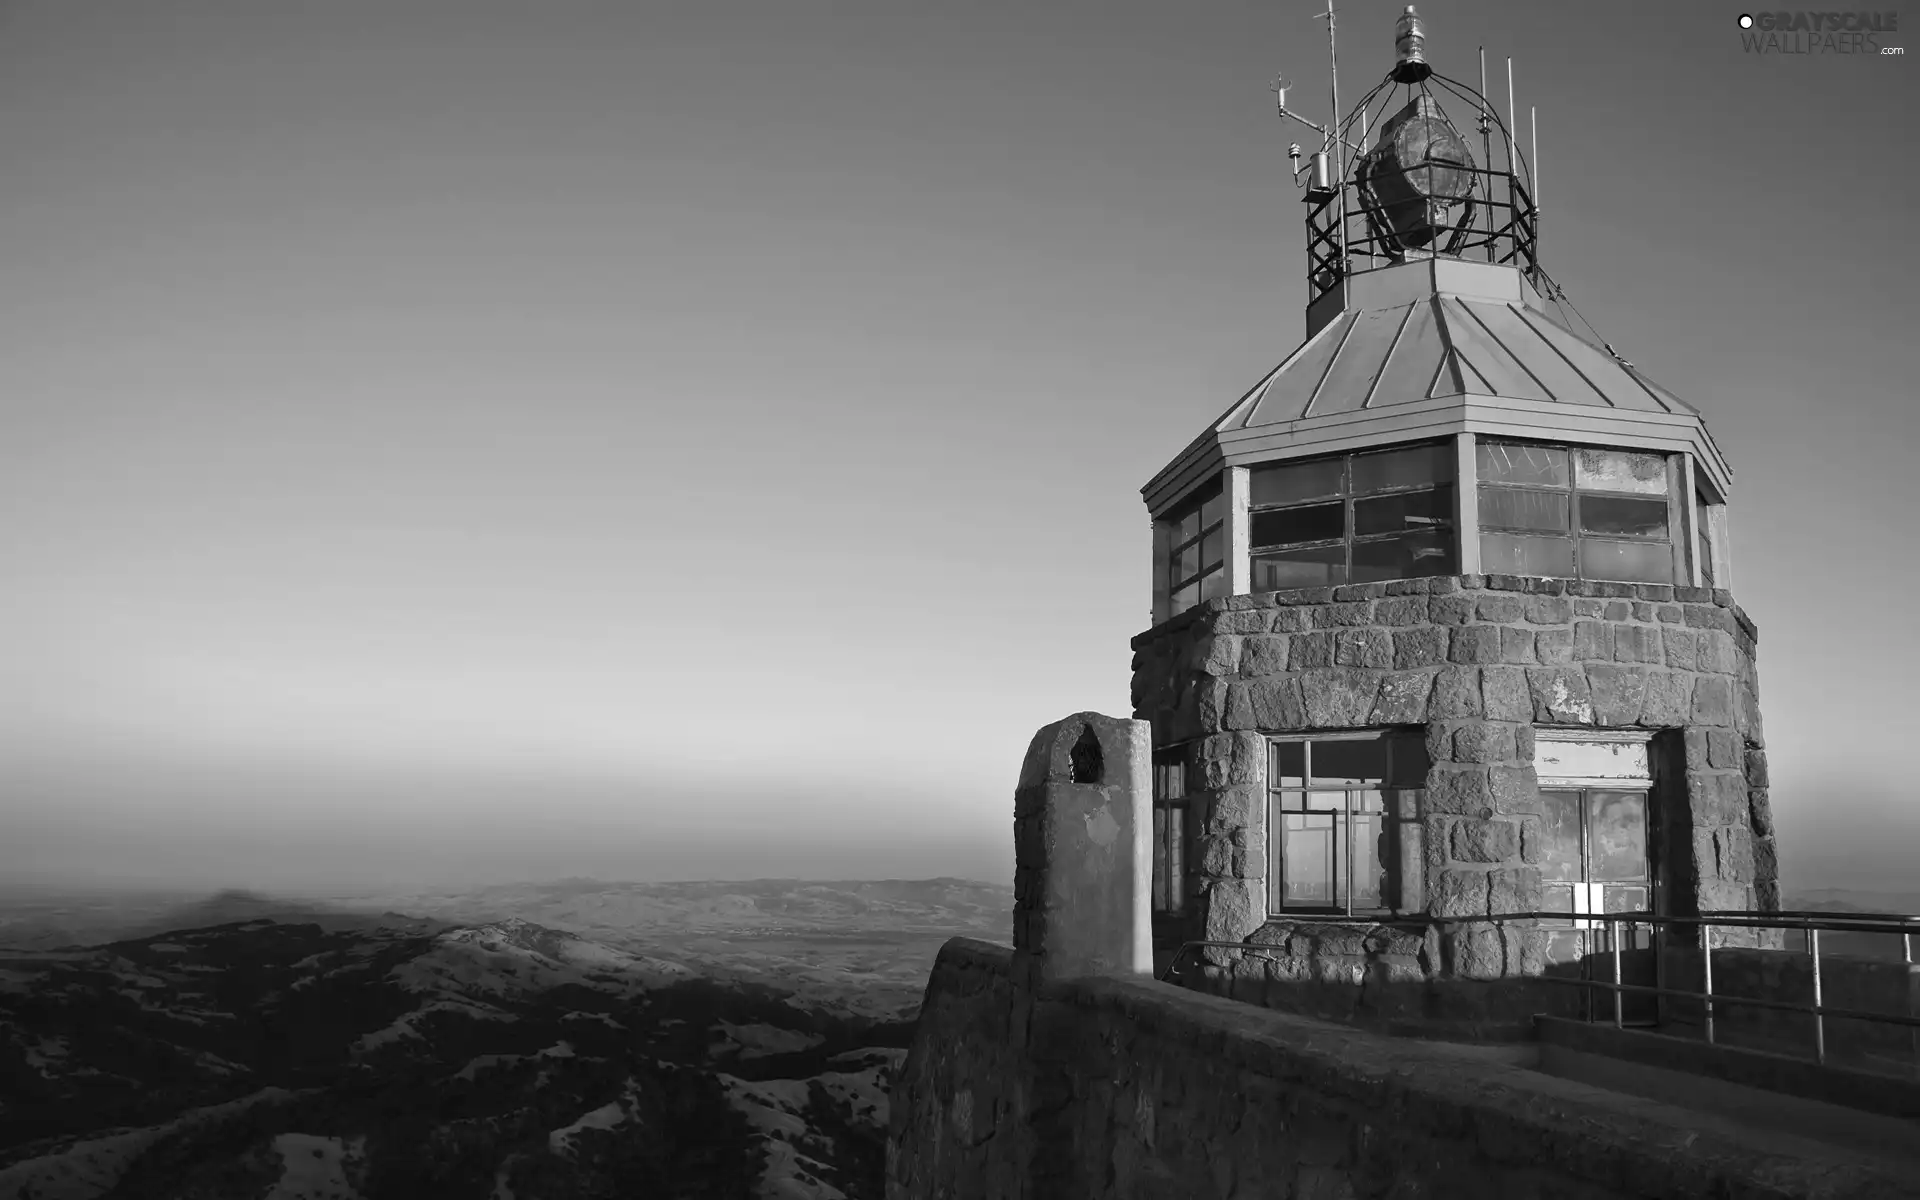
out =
column 1445, row 490
column 1209, row 579
column 1574, row 534
column 1168, row 887
column 1388, row 851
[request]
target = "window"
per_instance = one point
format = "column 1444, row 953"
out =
column 1169, row 830
column 1360, row 518
column 1574, row 513
column 1333, row 842
column 1196, row 551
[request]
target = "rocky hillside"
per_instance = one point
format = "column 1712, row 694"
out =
column 504, row 1059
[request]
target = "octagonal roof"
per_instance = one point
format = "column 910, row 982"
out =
column 1434, row 347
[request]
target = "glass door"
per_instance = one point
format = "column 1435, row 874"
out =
column 1594, row 860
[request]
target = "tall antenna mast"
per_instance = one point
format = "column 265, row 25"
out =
column 1533, row 157
column 1486, row 149
column 1338, row 136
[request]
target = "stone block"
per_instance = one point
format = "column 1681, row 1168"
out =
column 1678, row 646
column 1592, row 641
column 1234, row 809
column 1618, row 692
column 1713, row 652
column 1523, row 743
column 1560, row 695
column 1515, row 789
column 1516, row 645
column 1456, row 609
column 1359, row 591
column 1725, row 750
column 1766, row 860
column 1215, row 856
column 1343, row 616
column 1712, row 700
column 1668, row 700
column 1477, row 841
column 1234, row 909
column 1456, row 693
column 1694, row 742
column 1423, row 647
column 1716, row 798
column 1402, row 699
column 1290, row 620
column 1401, row 612
column 1476, row 952
column 1636, row 643
column 1363, row 648
column 1553, row 645
column 1483, row 742
column 1736, row 853
column 1475, row 644
column 1277, row 704
column 1459, row 790
column 1549, row 610
column 1514, row 890
column 1756, row 768
column 1216, row 655
column 1504, row 694
column 1526, row 950
column 1460, row 892
column 1586, row 607
column 1264, row 654
column 1760, row 811
column 1245, row 621
column 1310, row 650
column 1669, row 614
column 1239, row 708
column 1708, row 616
column 1440, row 740
column 1499, row 607
column 1339, row 698
column 1618, row 610
column 1642, row 611
column 1530, row 840
column 1300, row 597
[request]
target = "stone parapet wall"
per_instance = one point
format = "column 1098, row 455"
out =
column 1478, row 663
column 1134, row 1090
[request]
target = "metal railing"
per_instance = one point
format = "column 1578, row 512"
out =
column 1496, row 221
column 1624, row 926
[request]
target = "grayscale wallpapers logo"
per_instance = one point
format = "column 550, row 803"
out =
column 1819, row 33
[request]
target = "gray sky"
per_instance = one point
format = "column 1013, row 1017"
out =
column 470, row 441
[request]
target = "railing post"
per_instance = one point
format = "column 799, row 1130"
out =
column 1613, row 931
column 1819, row 1021
column 1706, row 957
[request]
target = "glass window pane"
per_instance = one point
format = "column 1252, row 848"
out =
column 1213, row 584
column 1620, row 471
column 1287, row 764
column 1324, row 801
column 1187, row 527
column 1311, row 523
column 1629, row 515
column 1557, row 898
column 1320, row 566
column 1356, row 762
column 1404, row 556
column 1626, row 562
column 1367, row 801
column 1511, row 462
column 1286, row 483
column 1213, row 509
column 1186, row 598
column 1623, row 899
column 1512, row 554
column 1560, row 836
column 1307, row 864
column 1404, row 510
column 1617, row 835
column 1512, row 508
column 1706, row 557
column 1410, row 466
column 1186, row 563
column 1210, row 547
column 1366, row 833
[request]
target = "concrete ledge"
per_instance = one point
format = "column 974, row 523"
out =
column 1799, row 1077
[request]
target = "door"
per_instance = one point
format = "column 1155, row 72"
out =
column 1594, row 859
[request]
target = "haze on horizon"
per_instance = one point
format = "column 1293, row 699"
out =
column 468, row 441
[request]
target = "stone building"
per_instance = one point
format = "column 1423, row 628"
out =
column 1442, row 621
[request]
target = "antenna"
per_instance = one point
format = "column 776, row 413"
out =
column 1279, row 88
column 1512, row 127
column 1337, row 135
column 1486, row 150
column 1533, row 157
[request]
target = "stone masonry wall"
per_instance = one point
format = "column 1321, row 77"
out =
column 1477, row 662
column 1129, row 1089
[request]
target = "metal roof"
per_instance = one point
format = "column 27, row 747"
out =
column 1433, row 347
column 1445, row 345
